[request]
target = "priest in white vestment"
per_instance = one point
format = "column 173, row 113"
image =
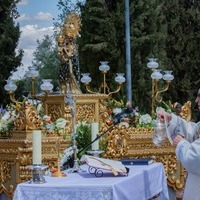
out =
column 185, row 136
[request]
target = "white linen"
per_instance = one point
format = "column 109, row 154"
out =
column 142, row 183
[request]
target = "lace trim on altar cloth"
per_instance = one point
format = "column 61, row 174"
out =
column 86, row 193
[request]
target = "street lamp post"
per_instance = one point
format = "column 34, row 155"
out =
column 128, row 55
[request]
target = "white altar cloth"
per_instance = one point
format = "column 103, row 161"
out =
column 143, row 182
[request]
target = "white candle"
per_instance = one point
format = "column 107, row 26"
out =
column 94, row 134
column 37, row 147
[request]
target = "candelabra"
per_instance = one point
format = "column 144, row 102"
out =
column 104, row 68
column 156, row 77
column 32, row 74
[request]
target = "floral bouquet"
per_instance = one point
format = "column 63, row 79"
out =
column 67, row 159
column 7, row 118
column 145, row 121
column 130, row 117
column 58, row 126
column 83, row 138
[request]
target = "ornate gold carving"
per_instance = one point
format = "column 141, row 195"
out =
column 55, row 110
column 67, row 39
column 86, row 112
column 186, row 112
column 24, row 156
column 133, row 142
column 28, row 118
column 183, row 111
column 5, row 174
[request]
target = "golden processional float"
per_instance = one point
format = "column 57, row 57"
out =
column 16, row 152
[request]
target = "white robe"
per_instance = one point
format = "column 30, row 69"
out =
column 188, row 152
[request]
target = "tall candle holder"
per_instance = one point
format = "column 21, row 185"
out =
column 71, row 101
column 58, row 173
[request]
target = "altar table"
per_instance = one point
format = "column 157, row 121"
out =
column 143, row 182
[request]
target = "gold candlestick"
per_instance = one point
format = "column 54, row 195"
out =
column 58, row 173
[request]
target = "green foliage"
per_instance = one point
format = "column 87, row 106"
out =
column 83, row 138
column 182, row 48
column 66, row 6
column 167, row 30
column 10, row 59
column 148, row 31
column 46, row 60
column 99, row 40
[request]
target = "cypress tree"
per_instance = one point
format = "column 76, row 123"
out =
column 9, row 37
column 183, row 43
column 167, row 30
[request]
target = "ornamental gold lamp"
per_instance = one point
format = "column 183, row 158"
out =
column 25, row 121
column 32, row 74
column 104, row 68
column 10, row 87
column 156, row 76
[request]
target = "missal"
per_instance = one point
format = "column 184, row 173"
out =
column 102, row 163
column 137, row 161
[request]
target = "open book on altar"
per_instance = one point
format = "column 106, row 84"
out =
column 112, row 165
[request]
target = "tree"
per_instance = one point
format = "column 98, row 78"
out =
column 167, row 30
column 183, row 47
column 66, row 6
column 9, row 37
column 148, row 36
column 101, row 39
column 46, row 60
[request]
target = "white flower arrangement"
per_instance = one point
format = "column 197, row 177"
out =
column 60, row 124
column 145, row 119
column 7, row 118
column 67, row 155
column 50, row 126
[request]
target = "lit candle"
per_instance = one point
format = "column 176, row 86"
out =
column 37, row 147
column 95, row 132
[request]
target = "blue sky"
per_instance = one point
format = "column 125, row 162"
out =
column 36, row 20
column 39, row 12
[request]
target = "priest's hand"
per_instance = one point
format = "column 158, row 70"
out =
column 177, row 139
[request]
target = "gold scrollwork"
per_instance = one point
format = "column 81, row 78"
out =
column 5, row 174
column 28, row 118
